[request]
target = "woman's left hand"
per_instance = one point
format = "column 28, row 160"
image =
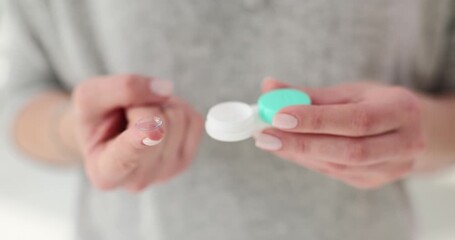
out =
column 363, row 134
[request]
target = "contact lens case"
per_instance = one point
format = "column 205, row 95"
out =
column 237, row 121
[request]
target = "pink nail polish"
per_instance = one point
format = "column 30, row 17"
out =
column 268, row 142
column 285, row 121
column 163, row 88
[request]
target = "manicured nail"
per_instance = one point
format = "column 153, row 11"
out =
column 268, row 142
column 284, row 121
column 162, row 88
column 149, row 142
column 153, row 127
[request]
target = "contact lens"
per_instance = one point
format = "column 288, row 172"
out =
column 149, row 124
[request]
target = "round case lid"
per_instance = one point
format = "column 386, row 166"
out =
column 271, row 103
column 230, row 121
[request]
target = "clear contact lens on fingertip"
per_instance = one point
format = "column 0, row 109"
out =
column 149, row 124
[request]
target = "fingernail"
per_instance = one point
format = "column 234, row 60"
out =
column 268, row 142
column 284, row 121
column 153, row 128
column 162, row 88
column 149, row 142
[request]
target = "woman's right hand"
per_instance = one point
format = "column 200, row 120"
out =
column 116, row 131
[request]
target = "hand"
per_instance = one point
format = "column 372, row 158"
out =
column 119, row 147
column 183, row 127
column 363, row 134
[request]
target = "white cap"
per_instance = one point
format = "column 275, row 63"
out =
column 232, row 121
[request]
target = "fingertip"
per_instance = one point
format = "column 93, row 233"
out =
column 268, row 142
column 162, row 88
column 285, row 121
column 152, row 128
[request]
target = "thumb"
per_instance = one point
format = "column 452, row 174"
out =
column 122, row 155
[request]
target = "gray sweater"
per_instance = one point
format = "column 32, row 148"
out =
column 217, row 50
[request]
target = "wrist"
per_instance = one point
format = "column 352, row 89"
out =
column 438, row 131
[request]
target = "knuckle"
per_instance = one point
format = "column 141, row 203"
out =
column 130, row 80
column 408, row 167
column 356, row 152
column 317, row 120
column 420, row 145
column 181, row 114
column 134, row 149
column 362, row 121
column 414, row 144
column 80, row 96
column 129, row 84
column 301, row 145
column 409, row 146
column 414, row 106
column 127, row 164
column 411, row 104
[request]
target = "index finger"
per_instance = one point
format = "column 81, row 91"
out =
column 353, row 119
column 97, row 97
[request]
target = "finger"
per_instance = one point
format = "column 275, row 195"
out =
column 335, row 149
column 320, row 96
column 376, row 175
column 173, row 144
column 150, row 162
column 192, row 139
column 356, row 119
column 362, row 177
column 113, row 163
column 97, row 97
column 389, row 169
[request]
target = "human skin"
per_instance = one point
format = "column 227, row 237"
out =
column 109, row 124
column 364, row 134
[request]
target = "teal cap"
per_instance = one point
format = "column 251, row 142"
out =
column 271, row 103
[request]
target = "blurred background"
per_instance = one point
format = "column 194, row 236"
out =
column 38, row 202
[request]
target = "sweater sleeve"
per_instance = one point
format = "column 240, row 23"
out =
column 26, row 71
